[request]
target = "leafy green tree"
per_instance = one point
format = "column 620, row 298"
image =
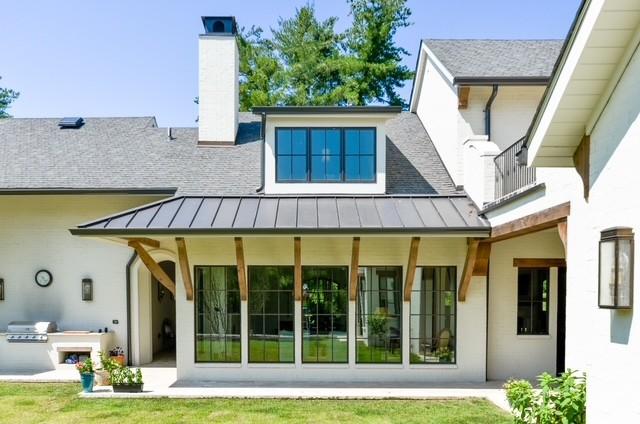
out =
column 7, row 96
column 262, row 75
column 377, row 72
column 310, row 53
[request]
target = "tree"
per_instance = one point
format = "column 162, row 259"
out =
column 377, row 70
column 310, row 53
column 7, row 96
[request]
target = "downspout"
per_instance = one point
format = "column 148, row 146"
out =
column 263, row 130
column 487, row 111
column 128, row 271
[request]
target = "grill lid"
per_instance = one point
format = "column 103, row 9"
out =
column 32, row 327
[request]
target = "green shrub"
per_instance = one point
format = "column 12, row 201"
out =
column 126, row 375
column 559, row 400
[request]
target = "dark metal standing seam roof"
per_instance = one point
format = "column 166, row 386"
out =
column 303, row 214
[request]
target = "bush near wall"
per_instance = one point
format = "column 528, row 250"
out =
column 558, row 400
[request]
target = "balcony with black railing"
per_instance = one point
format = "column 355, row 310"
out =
column 511, row 174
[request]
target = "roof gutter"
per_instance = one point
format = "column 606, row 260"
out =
column 487, row 111
column 263, row 131
column 322, row 110
column 544, row 80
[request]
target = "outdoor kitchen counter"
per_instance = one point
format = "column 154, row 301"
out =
column 50, row 355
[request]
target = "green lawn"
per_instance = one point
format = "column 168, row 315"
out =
column 56, row 403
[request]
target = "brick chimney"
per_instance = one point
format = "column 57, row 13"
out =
column 219, row 90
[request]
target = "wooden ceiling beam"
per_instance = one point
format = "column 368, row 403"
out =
column 542, row 220
column 411, row 268
column 185, row 269
column 539, row 263
column 355, row 263
column 154, row 268
column 242, row 274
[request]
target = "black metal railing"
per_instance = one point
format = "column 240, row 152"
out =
column 512, row 175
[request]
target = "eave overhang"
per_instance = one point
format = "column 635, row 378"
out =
column 603, row 38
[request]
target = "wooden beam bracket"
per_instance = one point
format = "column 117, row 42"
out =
column 411, row 268
column 297, row 272
column 185, row 269
column 154, row 268
column 467, row 273
column 242, row 274
column 353, row 271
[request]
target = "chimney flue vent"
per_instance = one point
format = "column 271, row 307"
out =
column 219, row 25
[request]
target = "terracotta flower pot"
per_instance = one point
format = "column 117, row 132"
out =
column 120, row 359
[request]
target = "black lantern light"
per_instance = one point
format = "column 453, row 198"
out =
column 1, row 288
column 87, row 289
column 615, row 285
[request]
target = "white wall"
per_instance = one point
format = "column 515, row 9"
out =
column 471, row 314
column 511, row 355
column 34, row 235
column 603, row 342
column 437, row 108
column 339, row 120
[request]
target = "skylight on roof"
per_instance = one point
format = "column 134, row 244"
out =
column 71, row 122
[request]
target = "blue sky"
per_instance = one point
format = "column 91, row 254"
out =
column 139, row 58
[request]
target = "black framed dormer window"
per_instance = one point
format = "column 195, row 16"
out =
column 325, row 155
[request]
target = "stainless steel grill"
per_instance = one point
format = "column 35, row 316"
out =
column 30, row 331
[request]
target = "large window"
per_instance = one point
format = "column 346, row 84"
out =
column 533, row 301
column 271, row 328
column 217, row 311
column 291, row 154
column 433, row 315
column 378, row 315
column 325, row 154
column 325, row 306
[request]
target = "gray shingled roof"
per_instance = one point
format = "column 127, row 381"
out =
column 133, row 153
column 308, row 214
column 497, row 58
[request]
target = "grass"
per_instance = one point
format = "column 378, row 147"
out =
column 55, row 403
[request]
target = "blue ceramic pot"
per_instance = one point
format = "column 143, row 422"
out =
column 87, row 380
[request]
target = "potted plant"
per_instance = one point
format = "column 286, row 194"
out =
column 107, row 365
column 86, row 375
column 117, row 354
column 444, row 354
column 125, row 380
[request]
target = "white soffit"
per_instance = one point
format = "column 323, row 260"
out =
column 597, row 54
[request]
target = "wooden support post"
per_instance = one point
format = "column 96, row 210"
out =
column 411, row 268
column 562, row 232
column 153, row 267
column 184, row 267
column 242, row 275
column 297, row 272
column 353, row 272
column 469, row 264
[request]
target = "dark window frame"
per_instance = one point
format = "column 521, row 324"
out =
column 530, row 302
column 195, row 316
column 309, row 156
column 454, row 336
column 279, row 314
column 302, row 304
column 400, row 315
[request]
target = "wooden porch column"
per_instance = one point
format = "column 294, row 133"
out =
column 184, row 267
column 297, row 272
column 353, row 272
column 411, row 268
column 242, row 275
column 153, row 267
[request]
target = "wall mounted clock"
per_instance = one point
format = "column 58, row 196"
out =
column 44, row 278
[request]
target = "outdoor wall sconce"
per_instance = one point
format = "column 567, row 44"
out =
column 615, row 285
column 87, row 289
column 1, row 288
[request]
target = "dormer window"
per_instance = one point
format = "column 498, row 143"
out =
column 325, row 155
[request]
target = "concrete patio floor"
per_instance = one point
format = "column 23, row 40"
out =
column 161, row 382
